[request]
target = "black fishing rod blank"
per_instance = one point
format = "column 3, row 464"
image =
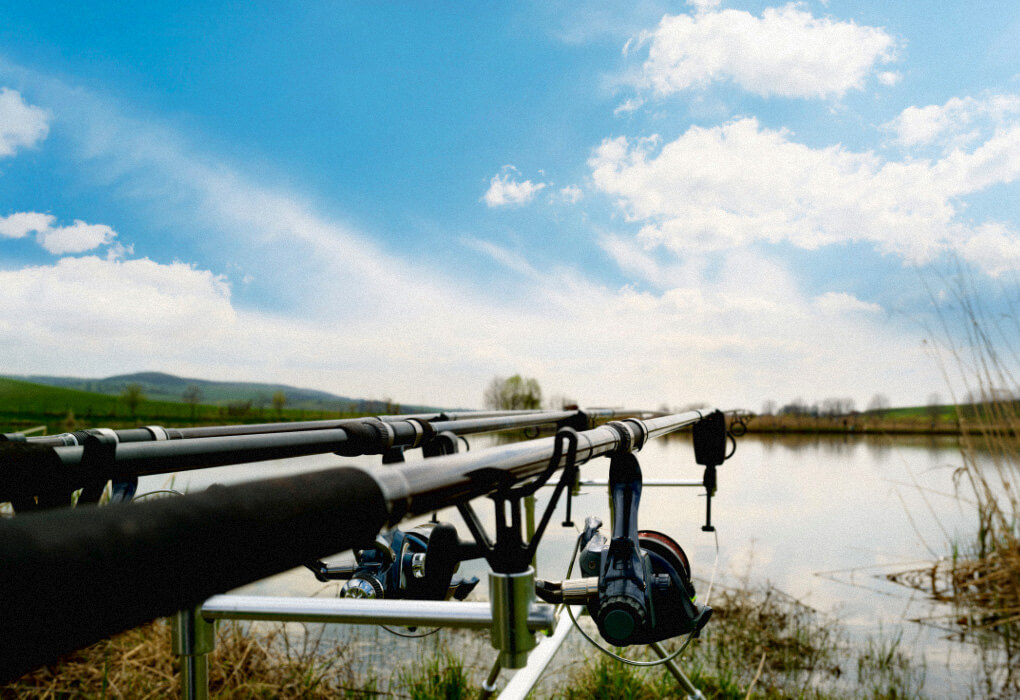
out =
column 157, row 432
column 70, row 577
column 50, row 473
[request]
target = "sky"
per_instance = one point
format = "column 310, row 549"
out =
column 637, row 204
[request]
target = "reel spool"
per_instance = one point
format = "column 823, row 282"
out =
column 419, row 564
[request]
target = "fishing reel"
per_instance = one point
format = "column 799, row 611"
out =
column 637, row 584
column 419, row 564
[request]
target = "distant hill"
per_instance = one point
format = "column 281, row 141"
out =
column 160, row 386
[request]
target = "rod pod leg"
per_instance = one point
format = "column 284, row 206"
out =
column 692, row 692
column 193, row 638
column 511, row 596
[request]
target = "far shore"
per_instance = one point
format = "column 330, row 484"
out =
column 862, row 424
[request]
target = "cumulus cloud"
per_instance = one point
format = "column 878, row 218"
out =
column 506, row 190
column 728, row 186
column 549, row 322
column 21, row 224
column 889, row 77
column 571, row 194
column 21, row 125
column 955, row 124
column 137, row 292
column 76, row 238
column 786, row 52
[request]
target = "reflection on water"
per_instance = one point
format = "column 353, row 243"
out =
column 824, row 519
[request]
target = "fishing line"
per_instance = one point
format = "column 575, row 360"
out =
column 608, row 652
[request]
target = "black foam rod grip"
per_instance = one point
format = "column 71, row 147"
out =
column 69, row 578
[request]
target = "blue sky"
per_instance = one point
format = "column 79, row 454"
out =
column 636, row 204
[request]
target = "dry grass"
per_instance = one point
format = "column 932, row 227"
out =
column 139, row 664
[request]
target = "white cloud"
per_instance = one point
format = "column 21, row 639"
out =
column 21, row 125
column 955, row 124
column 501, row 255
column 843, row 303
column 890, row 78
column 704, row 5
column 571, row 194
column 505, row 190
column 628, row 106
column 786, row 52
column 728, row 186
column 21, row 224
column 124, row 300
column 76, row 238
column 354, row 317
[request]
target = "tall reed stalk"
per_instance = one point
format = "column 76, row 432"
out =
column 985, row 572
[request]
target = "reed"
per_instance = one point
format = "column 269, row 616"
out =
column 982, row 575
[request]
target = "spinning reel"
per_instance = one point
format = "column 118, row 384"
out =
column 637, row 585
column 420, row 564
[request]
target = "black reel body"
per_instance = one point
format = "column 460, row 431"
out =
column 626, row 613
column 419, row 564
column 642, row 590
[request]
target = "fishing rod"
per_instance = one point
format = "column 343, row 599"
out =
column 44, row 472
column 157, row 432
column 73, row 576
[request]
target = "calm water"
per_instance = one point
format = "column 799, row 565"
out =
column 822, row 519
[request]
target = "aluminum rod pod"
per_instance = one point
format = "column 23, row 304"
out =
column 364, row 611
column 192, row 640
column 511, row 597
column 525, row 680
column 108, row 569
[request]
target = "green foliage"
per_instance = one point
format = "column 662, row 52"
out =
column 885, row 671
column 441, row 678
column 132, row 395
column 515, row 393
column 612, row 680
column 279, row 401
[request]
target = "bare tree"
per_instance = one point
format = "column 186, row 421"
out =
column 513, row 394
column 879, row 403
column 836, row 406
column 797, row 407
column 192, row 396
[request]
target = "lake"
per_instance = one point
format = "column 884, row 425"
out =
column 823, row 519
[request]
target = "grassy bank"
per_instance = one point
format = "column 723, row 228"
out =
column 759, row 642
column 891, row 423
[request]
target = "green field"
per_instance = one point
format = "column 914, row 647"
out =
column 24, row 405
